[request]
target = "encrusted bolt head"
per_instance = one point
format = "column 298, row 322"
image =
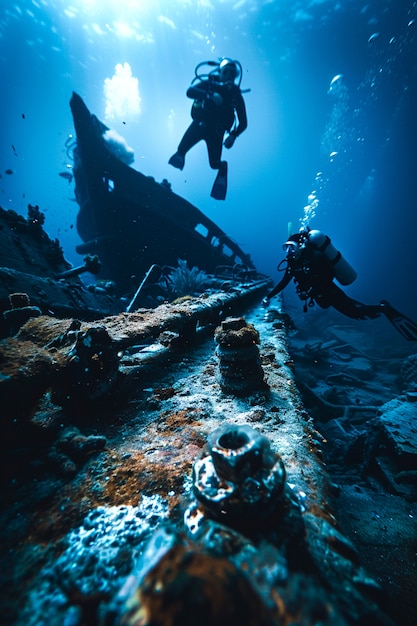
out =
column 235, row 331
column 239, row 476
column 236, row 451
column 19, row 300
column 233, row 323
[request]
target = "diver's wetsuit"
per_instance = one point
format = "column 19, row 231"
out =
column 313, row 276
column 211, row 120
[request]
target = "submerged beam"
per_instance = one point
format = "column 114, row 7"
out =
column 42, row 353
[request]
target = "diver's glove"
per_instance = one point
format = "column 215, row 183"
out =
column 265, row 301
column 230, row 140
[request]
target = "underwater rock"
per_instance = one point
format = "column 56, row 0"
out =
column 398, row 419
column 395, row 449
column 409, row 373
column 72, row 448
column 360, row 367
column 27, row 371
column 30, row 263
column 382, row 448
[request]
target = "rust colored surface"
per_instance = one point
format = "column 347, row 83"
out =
column 155, row 421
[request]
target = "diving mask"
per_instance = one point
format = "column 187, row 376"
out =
column 291, row 247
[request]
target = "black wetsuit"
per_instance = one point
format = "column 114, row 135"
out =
column 313, row 276
column 211, row 120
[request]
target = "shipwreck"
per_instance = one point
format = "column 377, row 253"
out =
column 133, row 222
column 201, row 460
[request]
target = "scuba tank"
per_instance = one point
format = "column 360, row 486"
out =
column 343, row 272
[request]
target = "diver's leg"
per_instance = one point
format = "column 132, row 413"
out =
column 192, row 135
column 356, row 310
column 214, row 147
column 214, row 141
column 352, row 308
column 219, row 189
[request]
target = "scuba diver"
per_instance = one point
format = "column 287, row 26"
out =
column 313, row 262
column 217, row 103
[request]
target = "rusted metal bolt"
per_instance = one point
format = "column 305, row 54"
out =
column 240, row 370
column 239, row 476
column 235, row 331
column 236, row 451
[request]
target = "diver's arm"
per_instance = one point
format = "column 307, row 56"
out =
column 240, row 109
column 196, row 93
column 204, row 91
column 241, row 115
column 280, row 286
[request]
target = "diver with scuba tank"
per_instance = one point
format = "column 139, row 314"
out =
column 313, row 262
column 218, row 108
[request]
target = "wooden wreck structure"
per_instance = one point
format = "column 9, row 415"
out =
column 131, row 221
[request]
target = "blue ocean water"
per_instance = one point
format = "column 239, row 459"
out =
column 332, row 134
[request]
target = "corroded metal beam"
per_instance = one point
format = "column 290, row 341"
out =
column 48, row 344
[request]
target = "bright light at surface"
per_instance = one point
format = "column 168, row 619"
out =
column 132, row 7
column 121, row 94
column 123, row 29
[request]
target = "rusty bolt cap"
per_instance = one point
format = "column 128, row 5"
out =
column 239, row 476
column 19, row 300
column 237, row 451
column 233, row 323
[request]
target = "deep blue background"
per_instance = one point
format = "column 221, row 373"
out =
column 290, row 51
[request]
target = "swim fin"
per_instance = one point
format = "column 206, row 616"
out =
column 177, row 160
column 406, row 327
column 219, row 188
